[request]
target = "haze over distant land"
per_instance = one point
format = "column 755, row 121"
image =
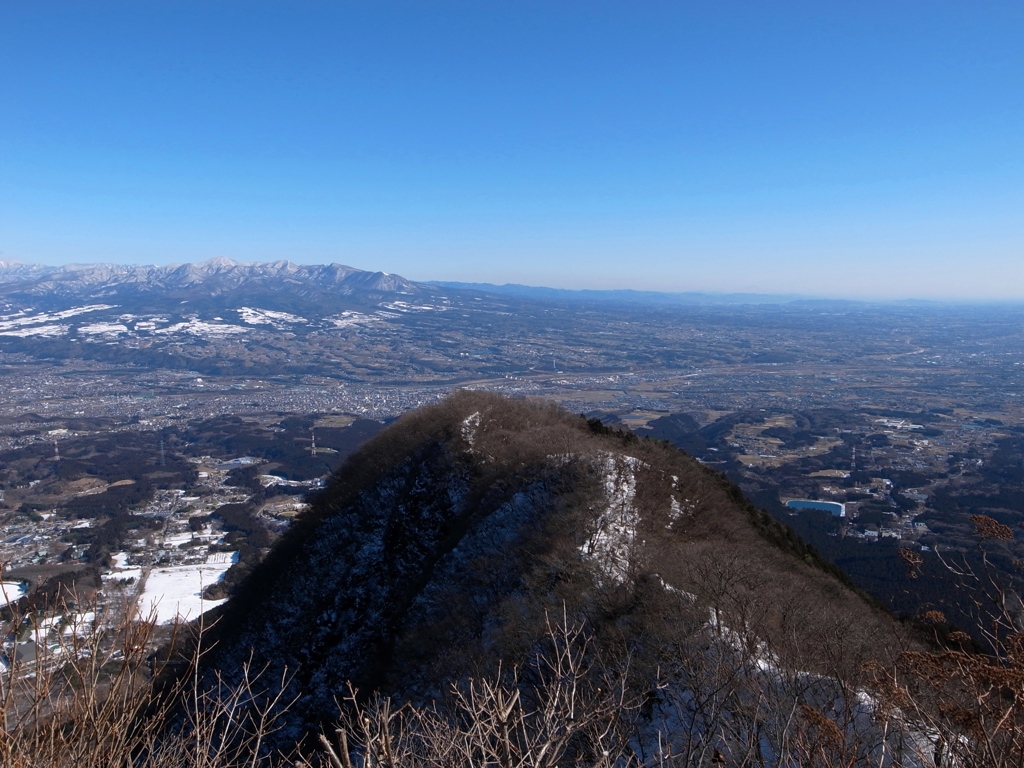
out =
column 839, row 150
column 69, row 282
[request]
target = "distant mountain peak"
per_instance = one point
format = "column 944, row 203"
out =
column 219, row 262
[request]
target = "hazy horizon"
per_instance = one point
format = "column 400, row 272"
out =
column 856, row 151
column 789, row 296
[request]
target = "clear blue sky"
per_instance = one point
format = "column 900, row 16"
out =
column 836, row 148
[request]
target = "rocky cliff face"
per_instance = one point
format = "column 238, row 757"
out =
column 442, row 547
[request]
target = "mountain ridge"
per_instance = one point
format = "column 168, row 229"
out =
column 217, row 275
column 445, row 543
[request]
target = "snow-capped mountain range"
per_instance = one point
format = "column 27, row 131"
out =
column 214, row 299
column 212, row 277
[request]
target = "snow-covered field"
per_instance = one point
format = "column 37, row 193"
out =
column 124, row 575
column 11, row 591
column 175, row 591
column 123, row 572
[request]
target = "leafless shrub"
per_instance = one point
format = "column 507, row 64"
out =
column 912, row 560
column 79, row 693
column 564, row 710
column 818, row 742
column 987, row 528
column 716, row 704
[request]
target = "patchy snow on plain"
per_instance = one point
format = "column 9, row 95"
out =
column 55, row 632
column 41, row 330
column 256, row 316
column 349, row 318
column 176, row 591
column 21, row 320
column 103, row 329
column 122, row 573
column 202, row 328
column 404, row 306
column 151, row 323
column 177, row 539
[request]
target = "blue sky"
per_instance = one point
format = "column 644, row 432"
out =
column 848, row 148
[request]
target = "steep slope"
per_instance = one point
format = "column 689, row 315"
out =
column 442, row 546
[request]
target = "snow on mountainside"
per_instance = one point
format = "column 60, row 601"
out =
column 16, row 270
column 446, row 543
column 213, row 277
column 215, row 299
column 611, row 546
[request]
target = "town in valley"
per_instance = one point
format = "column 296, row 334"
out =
column 151, row 452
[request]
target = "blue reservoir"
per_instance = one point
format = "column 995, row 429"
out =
column 832, row 507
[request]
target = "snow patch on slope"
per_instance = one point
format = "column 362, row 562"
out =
column 469, row 427
column 612, row 543
column 675, row 508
